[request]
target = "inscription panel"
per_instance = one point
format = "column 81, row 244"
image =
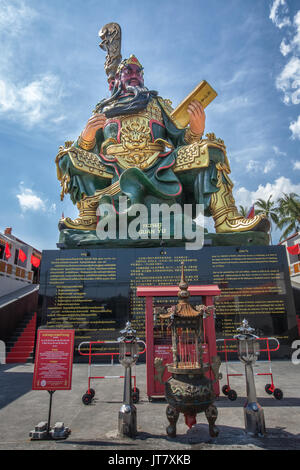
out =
column 94, row 290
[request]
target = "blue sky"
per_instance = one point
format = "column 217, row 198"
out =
column 52, row 75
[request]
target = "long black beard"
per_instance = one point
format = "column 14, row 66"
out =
column 132, row 104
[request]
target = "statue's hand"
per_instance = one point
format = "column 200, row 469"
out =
column 197, row 117
column 97, row 121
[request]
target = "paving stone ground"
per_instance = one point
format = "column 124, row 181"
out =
column 95, row 426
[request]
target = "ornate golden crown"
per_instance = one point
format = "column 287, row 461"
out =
column 132, row 60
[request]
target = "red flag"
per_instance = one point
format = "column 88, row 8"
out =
column 22, row 255
column 251, row 213
column 294, row 249
column 7, row 251
column 35, row 261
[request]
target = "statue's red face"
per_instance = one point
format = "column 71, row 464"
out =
column 131, row 75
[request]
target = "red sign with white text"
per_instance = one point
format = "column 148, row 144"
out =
column 53, row 360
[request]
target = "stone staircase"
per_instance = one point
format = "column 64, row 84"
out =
column 20, row 346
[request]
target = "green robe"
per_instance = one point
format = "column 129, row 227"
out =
column 155, row 184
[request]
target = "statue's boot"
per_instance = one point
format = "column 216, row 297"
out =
column 225, row 214
column 87, row 218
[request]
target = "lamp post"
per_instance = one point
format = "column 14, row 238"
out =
column 128, row 355
column 248, row 352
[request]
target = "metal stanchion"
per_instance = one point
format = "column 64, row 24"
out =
column 128, row 357
column 248, row 352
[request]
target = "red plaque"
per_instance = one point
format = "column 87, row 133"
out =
column 53, row 360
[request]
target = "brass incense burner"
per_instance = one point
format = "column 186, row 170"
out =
column 188, row 390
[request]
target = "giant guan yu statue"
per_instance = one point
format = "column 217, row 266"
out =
column 132, row 147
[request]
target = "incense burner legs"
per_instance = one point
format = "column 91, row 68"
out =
column 190, row 394
column 211, row 414
column 172, row 415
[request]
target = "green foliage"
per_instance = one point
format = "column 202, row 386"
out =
column 284, row 213
column 289, row 214
column 244, row 211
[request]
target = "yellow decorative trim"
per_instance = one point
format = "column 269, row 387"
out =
column 223, row 172
column 139, row 158
column 63, row 178
column 191, row 157
column 86, row 144
column 223, row 209
column 88, row 162
column 153, row 111
column 84, row 161
column 136, row 148
column 190, row 137
column 111, row 190
column 81, row 223
column 216, row 142
column 212, row 138
column 108, row 142
column 64, row 182
column 87, row 218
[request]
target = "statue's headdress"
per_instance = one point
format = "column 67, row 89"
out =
column 131, row 61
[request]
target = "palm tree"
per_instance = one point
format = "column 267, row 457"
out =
column 289, row 214
column 244, row 211
column 269, row 208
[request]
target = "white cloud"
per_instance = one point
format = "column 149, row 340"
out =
column 294, row 33
column 269, row 165
column 252, row 166
column 244, row 197
column 295, row 128
column 297, row 165
column 234, row 104
column 32, row 103
column 278, row 14
column 296, row 38
column 252, row 155
column 30, row 201
column 13, row 15
column 279, row 152
column 16, row 20
column 288, row 81
column 285, row 48
column 237, row 77
column 52, row 208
